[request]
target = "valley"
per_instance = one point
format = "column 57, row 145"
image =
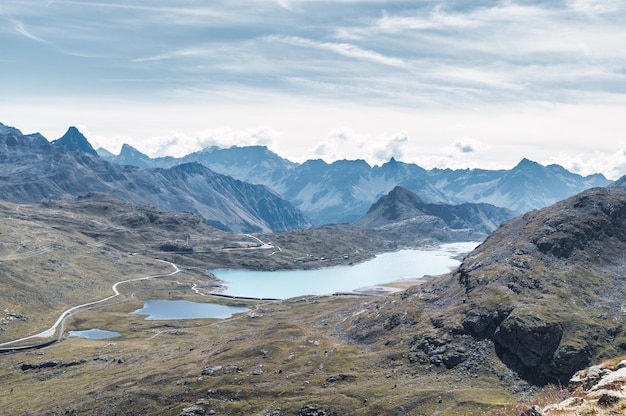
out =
column 84, row 243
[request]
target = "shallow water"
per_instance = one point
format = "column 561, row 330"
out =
column 385, row 268
column 95, row 333
column 161, row 310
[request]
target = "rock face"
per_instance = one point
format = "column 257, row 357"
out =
column 34, row 170
column 546, row 287
column 543, row 295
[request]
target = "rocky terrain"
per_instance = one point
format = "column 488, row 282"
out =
column 537, row 305
column 597, row 390
column 547, row 287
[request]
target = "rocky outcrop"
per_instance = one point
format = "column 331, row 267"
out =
column 598, row 390
column 192, row 411
column 313, row 411
column 544, row 287
column 51, row 364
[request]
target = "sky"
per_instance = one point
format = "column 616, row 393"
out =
column 447, row 84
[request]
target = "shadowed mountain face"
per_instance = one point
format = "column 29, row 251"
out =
column 344, row 190
column 34, row 170
column 402, row 206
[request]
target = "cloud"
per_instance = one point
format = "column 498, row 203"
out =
column 345, row 143
column 393, row 147
column 179, row 144
column 345, row 49
column 463, row 146
column 611, row 164
column 21, row 29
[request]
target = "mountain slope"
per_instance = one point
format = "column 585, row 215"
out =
column 402, row 205
column 34, row 170
column 548, row 287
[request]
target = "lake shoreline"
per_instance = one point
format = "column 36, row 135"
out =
column 397, row 270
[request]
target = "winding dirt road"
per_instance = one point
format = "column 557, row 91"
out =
column 6, row 346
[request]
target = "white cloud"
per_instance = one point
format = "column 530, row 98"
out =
column 346, row 143
column 613, row 164
column 22, row 30
column 344, row 49
column 595, row 7
column 178, row 143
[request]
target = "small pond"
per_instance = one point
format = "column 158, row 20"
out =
column 163, row 310
column 384, row 268
column 95, row 333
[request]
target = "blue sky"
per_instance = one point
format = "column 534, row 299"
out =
column 439, row 83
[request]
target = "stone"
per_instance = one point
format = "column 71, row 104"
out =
column 192, row 411
column 209, row 371
column 312, row 411
column 533, row 411
column 607, row 400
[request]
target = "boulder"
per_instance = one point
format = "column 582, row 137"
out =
column 192, row 411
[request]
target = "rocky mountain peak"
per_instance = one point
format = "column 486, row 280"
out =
column 527, row 164
column 74, row 139
column 131, row 156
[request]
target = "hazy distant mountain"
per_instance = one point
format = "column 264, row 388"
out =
column 344, row 190
column 33, row 170
column 133, row 157
column 620, row 182
column 402, row 206
column 74, row 139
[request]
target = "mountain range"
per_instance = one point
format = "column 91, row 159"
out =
column 251, row 189
column 343, row 191
column 34, row 170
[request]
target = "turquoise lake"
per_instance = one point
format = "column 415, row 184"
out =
column 385, row 268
